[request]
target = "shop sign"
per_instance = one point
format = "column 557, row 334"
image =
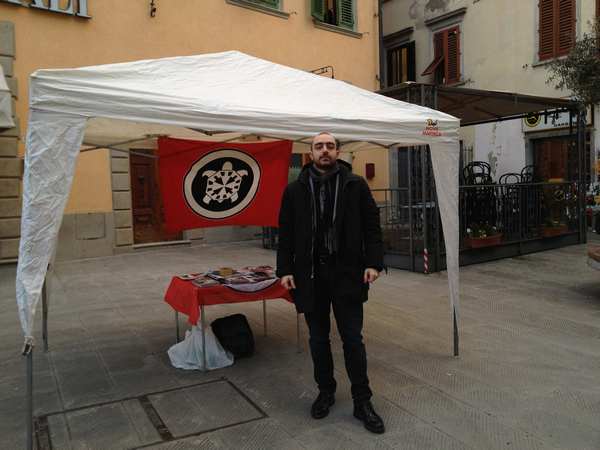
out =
column 552, row 120
column 77, row 8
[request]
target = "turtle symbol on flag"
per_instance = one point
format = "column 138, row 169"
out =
column 224, row 184
column 221, row 183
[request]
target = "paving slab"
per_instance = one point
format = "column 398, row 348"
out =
column 527, row 376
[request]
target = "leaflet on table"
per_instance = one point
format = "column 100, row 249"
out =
column 246, row 275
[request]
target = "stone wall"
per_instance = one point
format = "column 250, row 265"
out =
column 11, row 166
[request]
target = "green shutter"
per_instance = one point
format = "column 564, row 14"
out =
column 345, row 10
column 317, row 9
column 269, row 3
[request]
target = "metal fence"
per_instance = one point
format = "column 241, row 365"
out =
column 490, row 216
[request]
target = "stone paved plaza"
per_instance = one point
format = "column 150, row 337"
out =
column 528, row 376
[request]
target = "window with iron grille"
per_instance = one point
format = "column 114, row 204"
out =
column 334, row 12
column 557, row 20
column 401, row 64
column 445, row 66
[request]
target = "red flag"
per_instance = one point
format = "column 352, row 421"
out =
column 211, row 184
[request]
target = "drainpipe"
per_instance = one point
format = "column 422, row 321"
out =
column 382, row 76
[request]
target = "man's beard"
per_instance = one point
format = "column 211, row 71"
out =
column 325, row 166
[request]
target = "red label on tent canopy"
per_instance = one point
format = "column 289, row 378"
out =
column 211, row 184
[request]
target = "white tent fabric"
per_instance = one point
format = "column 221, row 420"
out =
column 6, row 120
column 221, row 92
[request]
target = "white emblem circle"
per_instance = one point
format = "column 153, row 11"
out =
column 199, row 166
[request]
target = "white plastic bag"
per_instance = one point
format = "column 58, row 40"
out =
column 187, row 354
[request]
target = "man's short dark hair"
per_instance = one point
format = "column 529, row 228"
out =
column 338, row 144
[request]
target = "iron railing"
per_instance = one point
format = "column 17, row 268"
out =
column 510, row 213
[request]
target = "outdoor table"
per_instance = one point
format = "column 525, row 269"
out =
column 187, row 298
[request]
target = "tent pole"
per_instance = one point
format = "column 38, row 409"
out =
column 264, row 302
column 45, row 313
column 203, row 322
column 113, row 144
column 298, row 348
column 411, row 240
column 28, row 353
column 455, row 332
column 424, row 209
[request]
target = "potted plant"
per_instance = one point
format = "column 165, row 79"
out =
column 553, row 228
column 482, row 235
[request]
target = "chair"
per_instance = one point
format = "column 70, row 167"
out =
column 528, row 174
column 477, row 172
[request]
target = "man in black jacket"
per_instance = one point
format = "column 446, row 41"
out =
column 330, row 249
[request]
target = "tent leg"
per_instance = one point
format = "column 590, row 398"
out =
column 203, row 323
column 299, row 348
column 177, row 327
column 455, row 333
column 45, row 314
column 29, row 417
column 265, row 316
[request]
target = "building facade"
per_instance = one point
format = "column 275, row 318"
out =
column 501, row 46
column 114, row 204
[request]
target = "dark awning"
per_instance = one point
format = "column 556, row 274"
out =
column 476, row 106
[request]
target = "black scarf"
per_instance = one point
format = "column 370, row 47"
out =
column 325, row 189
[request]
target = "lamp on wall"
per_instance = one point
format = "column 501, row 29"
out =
column 370, row 171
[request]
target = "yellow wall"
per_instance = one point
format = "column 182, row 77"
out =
column 378, row 157
column 124, row 31
column 93, row 169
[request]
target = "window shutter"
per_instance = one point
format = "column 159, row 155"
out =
column 345, row 9
column 453, row 56
column 546, row 30
column 438, row 54
column 269, row 3
column 317, row 9
column 566, row 26
column 412, row 66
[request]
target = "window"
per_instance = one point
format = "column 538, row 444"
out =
column 268, row 3
column 445, row 66
column 334, row 12
column 556, row 28
column 401, row 64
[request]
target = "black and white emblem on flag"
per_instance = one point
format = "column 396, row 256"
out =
column 221, row 183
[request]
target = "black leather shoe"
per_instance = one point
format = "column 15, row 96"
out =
column 364, row 411
column 320, row 408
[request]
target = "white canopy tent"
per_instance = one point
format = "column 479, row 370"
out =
column 223, row 96
column 215, row 95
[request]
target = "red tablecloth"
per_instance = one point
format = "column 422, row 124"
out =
column 186, row 298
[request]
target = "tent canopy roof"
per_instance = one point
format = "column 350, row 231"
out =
column 234, row 92
column 476, row 106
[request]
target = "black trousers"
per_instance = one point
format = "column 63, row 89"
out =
column 349, row 320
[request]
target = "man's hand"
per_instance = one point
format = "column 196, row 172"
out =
column 370, row 275
column 287, row 281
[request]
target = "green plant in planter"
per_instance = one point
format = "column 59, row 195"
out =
column 481, row 230
column 549, row 223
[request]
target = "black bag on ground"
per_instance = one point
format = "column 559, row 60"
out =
column 234, row 334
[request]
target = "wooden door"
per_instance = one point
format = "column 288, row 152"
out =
column 551, row 159
column 147, row 211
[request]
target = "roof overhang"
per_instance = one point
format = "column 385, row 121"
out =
column 477, row 106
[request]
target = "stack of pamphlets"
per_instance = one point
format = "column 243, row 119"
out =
column 245, row 279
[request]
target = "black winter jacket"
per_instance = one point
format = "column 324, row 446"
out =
column 358, row 236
